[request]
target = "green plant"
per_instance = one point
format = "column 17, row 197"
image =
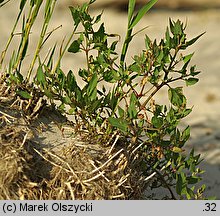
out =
column 19, row 55
column 128, row 108
column 3, row 2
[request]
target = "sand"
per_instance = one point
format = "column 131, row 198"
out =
column 171, row 4
column 205, row 97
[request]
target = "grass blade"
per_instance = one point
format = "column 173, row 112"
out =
column 2, row 2
column 131, row 7
column 141, row 13
column 22, row 4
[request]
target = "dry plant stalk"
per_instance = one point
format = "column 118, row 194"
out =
column 88, row 175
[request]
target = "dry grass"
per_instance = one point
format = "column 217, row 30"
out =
column 86, row 168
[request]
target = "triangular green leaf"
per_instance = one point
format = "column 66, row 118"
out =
column 176, row 97
column 121, row 124
column 92, row 87
column 157, row 121
column 71, row 81
column 41, row 76
column 181, row 184
column 187, row 58
column 177, row 149
column 24, row 94
column 74, row 47
column 189, row 43
column 76, row 16
column 191, row 81
column 186, row 134
column 121, row 112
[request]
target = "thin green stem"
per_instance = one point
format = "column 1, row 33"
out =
column 48, row 14
column 2, row 57
column 33, row 12
column 87, row 55
column 151, row 95
column 62, row 52
column 171, row 64
column 159, row 87
column 124, row 51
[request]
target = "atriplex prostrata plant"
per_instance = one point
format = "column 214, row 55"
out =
column 127, row 109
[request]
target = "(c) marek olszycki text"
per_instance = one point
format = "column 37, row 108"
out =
column 56, row 207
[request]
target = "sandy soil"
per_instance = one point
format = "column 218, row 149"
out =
column 172, row 4
column 204, row 120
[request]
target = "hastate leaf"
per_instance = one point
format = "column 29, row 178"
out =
column 119, row 123
column 92, row 87
column 176, row 97
column 24, row 94
column 41, row 76
column 74, row 47
column 191, row 81
column 191, row 42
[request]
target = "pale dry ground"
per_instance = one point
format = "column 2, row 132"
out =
column 174, row 4
column 204, row 96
